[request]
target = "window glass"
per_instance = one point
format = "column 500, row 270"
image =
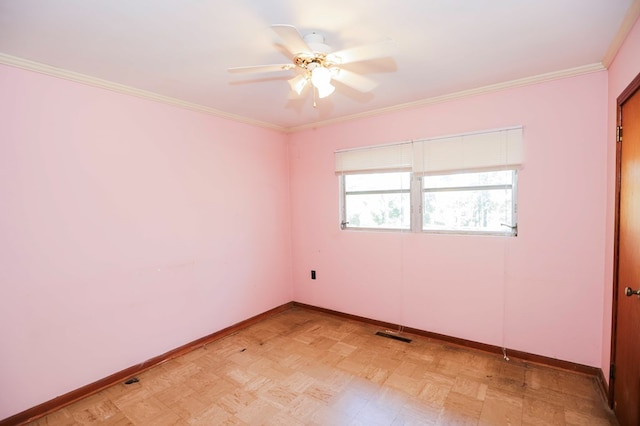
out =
column 479, row 202
column 469, row 202
column 377, row 181
column 377, row 201
column 469, row 179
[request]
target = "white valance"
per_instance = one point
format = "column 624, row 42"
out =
column 395, row 157
column 501, row 148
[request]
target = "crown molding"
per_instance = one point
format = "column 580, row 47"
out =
column 120, row 88
column 628, row 21
column 127, row 90
column 541, row 78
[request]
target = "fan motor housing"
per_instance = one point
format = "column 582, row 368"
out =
column 315, row 41
column 308, row 61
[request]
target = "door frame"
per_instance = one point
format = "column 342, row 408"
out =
column 629, row 91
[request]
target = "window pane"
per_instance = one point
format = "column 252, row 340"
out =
column 377, row 181
column 502, row 177
column 390, row 211
column 480, row 210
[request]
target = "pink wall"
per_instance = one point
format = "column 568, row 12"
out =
column 128, row 228
column 540, row 292
column 625, row 67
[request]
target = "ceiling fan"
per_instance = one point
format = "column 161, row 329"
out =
column 314, row 62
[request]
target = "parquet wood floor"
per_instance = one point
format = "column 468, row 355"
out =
column 303, row 367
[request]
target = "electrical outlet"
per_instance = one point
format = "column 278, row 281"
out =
column 313, row 275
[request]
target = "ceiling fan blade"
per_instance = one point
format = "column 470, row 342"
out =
column 364, row 53
column 260, row 68
column 357, row 81
column 293, row 41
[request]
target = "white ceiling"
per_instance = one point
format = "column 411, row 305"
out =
column 182, row 48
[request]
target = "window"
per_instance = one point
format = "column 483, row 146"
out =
column 377, row 201
column 481, row 202
column 454, row 184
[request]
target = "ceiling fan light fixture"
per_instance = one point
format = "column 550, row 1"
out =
column 325, row 91
column 321, row 80
column 320, row 77
column 298, row 83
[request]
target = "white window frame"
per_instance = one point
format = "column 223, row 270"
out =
column 488, row 150
column 511, row 229
column 344, row 223
column 416, row 192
